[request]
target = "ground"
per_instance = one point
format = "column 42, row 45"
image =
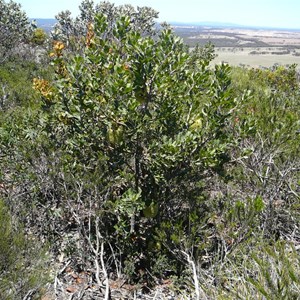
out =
column 247, row 46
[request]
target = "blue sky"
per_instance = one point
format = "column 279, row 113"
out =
column 269, row 13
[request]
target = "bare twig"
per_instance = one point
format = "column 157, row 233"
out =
column 107, row 289
column 29, row 295
column 118, row 266
column 195, row 277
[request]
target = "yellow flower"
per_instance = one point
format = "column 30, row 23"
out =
column 58, row 46
column 90, row 35
column 42, row 86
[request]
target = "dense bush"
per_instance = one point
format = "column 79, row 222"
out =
column 22, row 262
column 16, row 77
column 39, row 37
column 138, row 135
column 15, row 28
column 73, row 31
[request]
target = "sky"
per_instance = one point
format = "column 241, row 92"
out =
column 261, row 13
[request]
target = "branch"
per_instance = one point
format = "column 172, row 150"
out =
column 196, row 282
column 107, row 289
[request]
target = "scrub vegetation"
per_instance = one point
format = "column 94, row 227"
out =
column 133, row 166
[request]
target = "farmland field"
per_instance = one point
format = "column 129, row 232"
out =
column 244, row 57
column 248, row 47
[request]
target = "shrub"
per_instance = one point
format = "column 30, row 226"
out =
column 39, row 37
column 22, row 260
column 141, row 133
column 15, row 28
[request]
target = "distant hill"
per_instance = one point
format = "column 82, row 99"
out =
column 227, row 25
column 207, row 24
column 46, row 24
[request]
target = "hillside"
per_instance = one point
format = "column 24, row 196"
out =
column 134, row 167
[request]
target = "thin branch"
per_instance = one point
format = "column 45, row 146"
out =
column 196, row 282
column 107, row 289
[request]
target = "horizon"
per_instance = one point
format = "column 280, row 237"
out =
column 208, row 24
column 277, row 14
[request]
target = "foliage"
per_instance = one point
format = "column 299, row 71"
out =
column 22, row 266
column 39, row 36
column 278, row 272
column 258, row 270
column 277, row 78
column 75, row 32
column 271, row 160
column 139, row 153
column 24, row 271
column 15, row 28
column 16, row 77
column 137, row 131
